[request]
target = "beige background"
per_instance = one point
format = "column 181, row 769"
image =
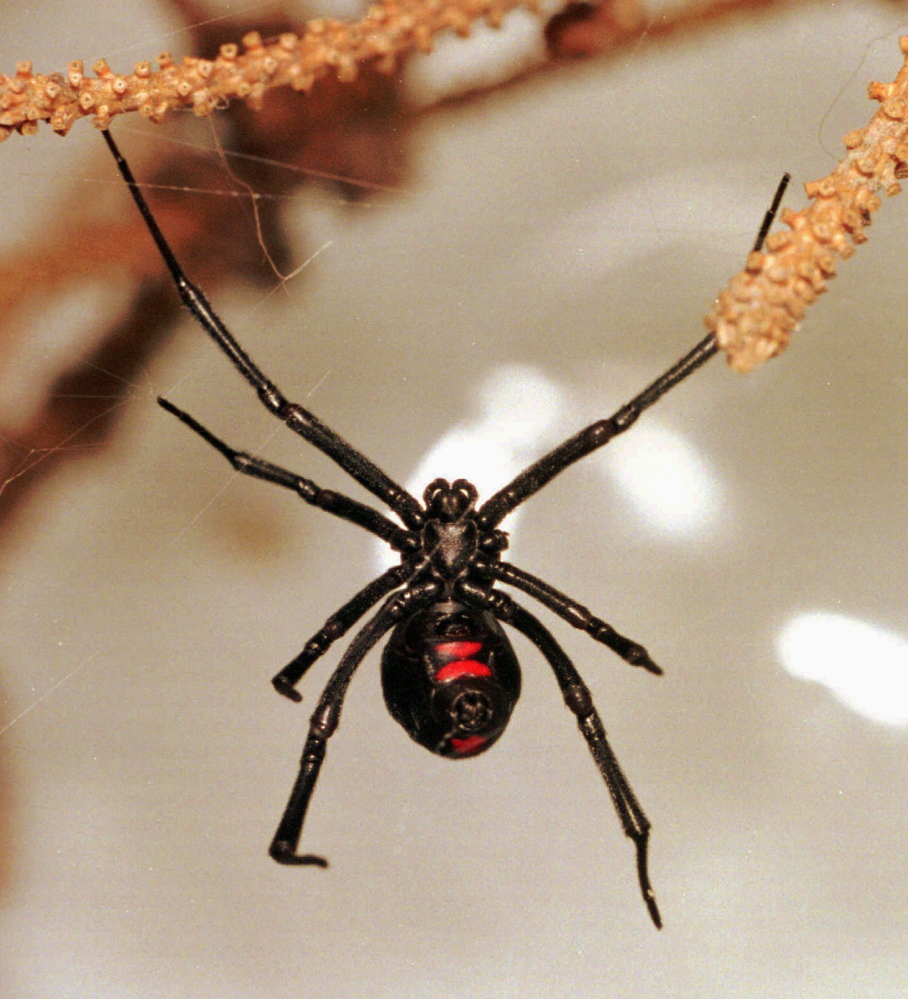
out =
column 554, row 250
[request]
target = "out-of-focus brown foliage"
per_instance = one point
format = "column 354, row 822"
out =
column 590, row 29
column 587, row 29
column 350, row 135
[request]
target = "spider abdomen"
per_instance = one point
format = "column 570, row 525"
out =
column 451, row 679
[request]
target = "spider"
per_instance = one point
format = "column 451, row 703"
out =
column 449, row 674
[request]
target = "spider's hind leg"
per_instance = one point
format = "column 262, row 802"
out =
column 326, row 718
column 577, row 697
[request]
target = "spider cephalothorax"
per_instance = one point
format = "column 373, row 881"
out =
column 450, row 537
column 449, row 674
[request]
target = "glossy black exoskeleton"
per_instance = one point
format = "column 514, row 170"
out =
column 449, row 673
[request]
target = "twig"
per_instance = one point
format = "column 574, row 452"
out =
column 389, row 30
column 755, row 315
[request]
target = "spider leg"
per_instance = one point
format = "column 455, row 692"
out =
column 771, row 212
column 598, row 434
column 325, row 499
column 577, row 697
column 298, row 419
column 595, row 436
column 326, row 717
column 574, row 613
column 336, row 626
column 332, row 502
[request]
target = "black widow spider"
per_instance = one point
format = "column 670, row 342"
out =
column 449, row 674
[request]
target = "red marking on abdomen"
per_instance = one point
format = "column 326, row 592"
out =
column 472, row 744
column 462, row 667
column 457, row 650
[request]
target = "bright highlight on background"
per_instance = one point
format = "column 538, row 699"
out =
column 517, row 414
column 864, row 666
column 665, row 479
column 518, row 408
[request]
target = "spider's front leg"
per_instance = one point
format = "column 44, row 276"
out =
column 325, row 499
column 296, row 417
column 598, row 434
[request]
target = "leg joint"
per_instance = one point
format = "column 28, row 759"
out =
column 577, row 697
column 323, row 723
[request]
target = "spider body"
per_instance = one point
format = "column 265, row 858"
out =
column 449, row 674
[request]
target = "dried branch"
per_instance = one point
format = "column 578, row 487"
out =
column 754, row 317
column 389, row 30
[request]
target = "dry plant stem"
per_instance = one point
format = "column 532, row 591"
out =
column 389, row 29
column 754, row 317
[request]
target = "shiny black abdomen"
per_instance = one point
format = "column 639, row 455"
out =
column 451, row 679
